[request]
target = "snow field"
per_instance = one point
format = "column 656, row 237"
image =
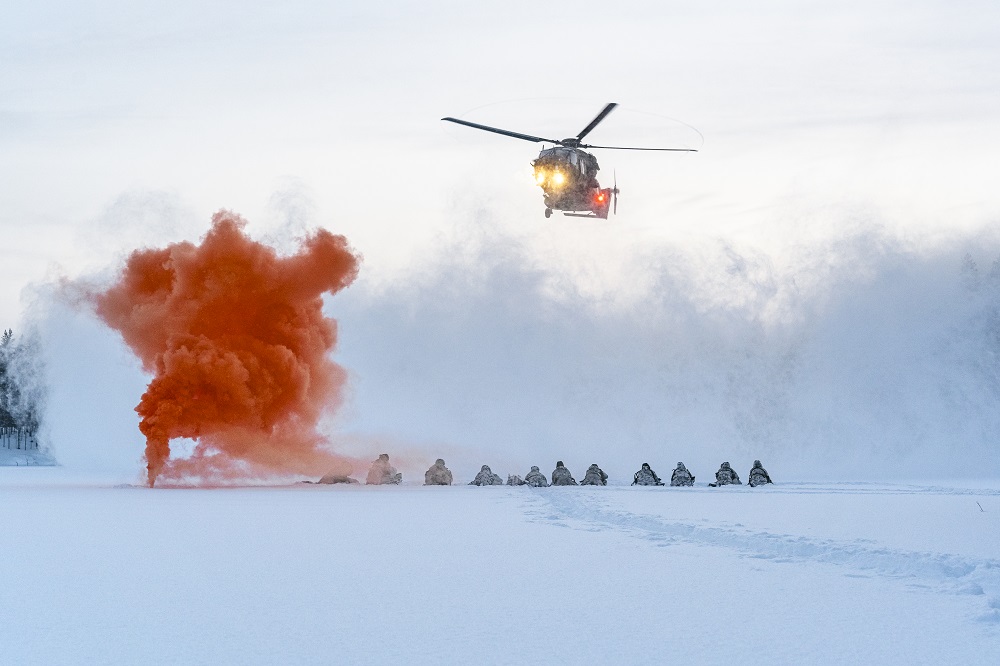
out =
column 797, row 573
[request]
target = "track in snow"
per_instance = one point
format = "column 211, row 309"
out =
column 937, row 571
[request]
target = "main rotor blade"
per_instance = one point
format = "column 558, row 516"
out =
column 516, row 135
column 593, row 123
column 673, row 150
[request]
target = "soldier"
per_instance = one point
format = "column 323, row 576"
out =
column 727, row 476
column 382, row 473
column 514, row 480
column 336, row 478
column 561, row 476
column 595, row 476
column 438, row 474
column 535, row 478
column 758, row 475
column 486, row 477
column 681, row 476
column 646, row 477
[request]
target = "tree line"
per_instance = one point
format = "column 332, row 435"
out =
column 20, row 397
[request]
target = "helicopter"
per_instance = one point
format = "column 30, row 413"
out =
column 567, row 173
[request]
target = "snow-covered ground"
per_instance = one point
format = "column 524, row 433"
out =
column 795, row 573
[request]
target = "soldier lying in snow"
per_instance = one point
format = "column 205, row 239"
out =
column 514, row 480
column 382, row 473
column 332, row 478
column 561, row 476
column 486, row 477
column 595, row 476
column 681, row 476
column 758, row 475
column 535, row 478
column 726, row 476
column 438, row 474
column 646, row 477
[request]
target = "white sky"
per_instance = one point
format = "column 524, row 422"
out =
column 125, row 124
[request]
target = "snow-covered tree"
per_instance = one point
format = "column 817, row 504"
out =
column 6, row 418
column 21, row 389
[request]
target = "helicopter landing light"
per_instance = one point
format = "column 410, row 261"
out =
column 540, row 177
column 558, row 178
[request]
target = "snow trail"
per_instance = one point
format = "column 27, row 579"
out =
column 941, row 572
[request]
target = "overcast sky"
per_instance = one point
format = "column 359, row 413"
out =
column 124, row 121
column 125, row 124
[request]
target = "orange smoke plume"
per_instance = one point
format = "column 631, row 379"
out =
column 238, row 345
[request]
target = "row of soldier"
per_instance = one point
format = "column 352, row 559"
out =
column 382, row 473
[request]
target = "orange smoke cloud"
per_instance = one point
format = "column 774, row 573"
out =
column 238, row 345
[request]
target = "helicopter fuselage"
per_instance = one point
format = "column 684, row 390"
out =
column 568, row 178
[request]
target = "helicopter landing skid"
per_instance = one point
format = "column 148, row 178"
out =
column 590, row 215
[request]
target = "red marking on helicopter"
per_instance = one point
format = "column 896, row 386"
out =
column 567, row 174
column 238, row 346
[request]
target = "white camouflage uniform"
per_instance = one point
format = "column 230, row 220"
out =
column 535, row 478
column 758, row 475
column 595, row 476
column 646, row 477
column 562, row 477
column 382, row 473
column 438, row 475
column 681, row 476
column 727, row 476
column 486, row 477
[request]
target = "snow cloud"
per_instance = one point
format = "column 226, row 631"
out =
column 865, row 357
